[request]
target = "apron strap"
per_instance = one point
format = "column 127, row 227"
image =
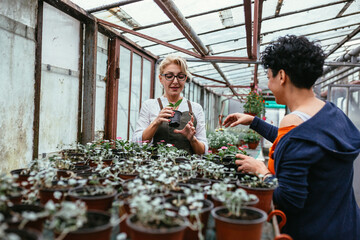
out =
column 190, row 108
column 160, row 104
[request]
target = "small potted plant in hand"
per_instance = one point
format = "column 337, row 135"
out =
column 175, row 120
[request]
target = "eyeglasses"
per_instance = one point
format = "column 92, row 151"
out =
column 170, row 77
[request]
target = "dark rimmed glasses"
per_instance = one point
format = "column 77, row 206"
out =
column 170, row 77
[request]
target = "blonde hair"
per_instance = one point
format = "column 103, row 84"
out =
column 175, row 60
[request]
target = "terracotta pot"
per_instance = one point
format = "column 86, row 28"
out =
column 125, row 209
column 16, row 198
column 253, row 145
column 175, row 120
column 124, row 176
column 20, row 208
column 102, row 202
column 217, row 203
column 138, row 232
column 45, row 194
column 233, row 228
column 264, row 195
column 249, row 113
column 204, row 217
column 97, row 227
column 22, row 179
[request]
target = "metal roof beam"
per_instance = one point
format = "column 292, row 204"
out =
column 342, row 77
column 335, row 75
column 278, row 8
column 342, row 60
column 149, row 38
column 347, row 38
column 346, row 6
column 188, row 17
column 175, row 15
column 248, row 26
column 112, row 5
column 263, row 19
column 207, row 78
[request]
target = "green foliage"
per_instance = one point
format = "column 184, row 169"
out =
column 221, row 138
column 176, row 105
column 255, row 103
column 251, row 136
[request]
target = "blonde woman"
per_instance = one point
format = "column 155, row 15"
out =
column 153, row 124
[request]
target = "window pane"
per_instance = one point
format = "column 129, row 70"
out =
column 123, row 93
column 146, row 82
column 135, row 92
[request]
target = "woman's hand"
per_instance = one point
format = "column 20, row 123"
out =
column 189, row 130
column 248, row 164
column 238, row 118
column 164, row 116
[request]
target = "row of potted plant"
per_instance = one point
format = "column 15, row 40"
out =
column 146, row 190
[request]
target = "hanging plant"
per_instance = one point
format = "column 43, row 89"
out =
column 255, row 103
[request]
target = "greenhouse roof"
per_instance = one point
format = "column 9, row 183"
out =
column 216, row 37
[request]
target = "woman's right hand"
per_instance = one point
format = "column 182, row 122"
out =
column 238, row 118
column 164, row 115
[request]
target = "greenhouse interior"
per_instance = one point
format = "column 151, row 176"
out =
column 97, row 142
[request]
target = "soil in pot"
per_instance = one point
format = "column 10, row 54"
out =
column 140, row 232
column 248, row 226
column 175, row 120
column 98, row 227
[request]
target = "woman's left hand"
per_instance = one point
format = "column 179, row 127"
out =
column 188, row 131
column 248, row 164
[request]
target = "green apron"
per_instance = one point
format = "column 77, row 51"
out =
column 166, row 133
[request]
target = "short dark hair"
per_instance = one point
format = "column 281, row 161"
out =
column 301, row 59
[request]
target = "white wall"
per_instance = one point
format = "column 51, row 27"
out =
column 17, row 69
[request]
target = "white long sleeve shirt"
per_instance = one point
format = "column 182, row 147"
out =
column 150, row 110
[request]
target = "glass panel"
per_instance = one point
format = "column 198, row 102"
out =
column 135, row 92
column 354, row 106
column 338, row 96
column 60, row 41
column 123, row 93
column 146, row 82
column 101, row 67
column 59, row 89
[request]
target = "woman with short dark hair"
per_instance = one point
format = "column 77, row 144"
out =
column 313, row 149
